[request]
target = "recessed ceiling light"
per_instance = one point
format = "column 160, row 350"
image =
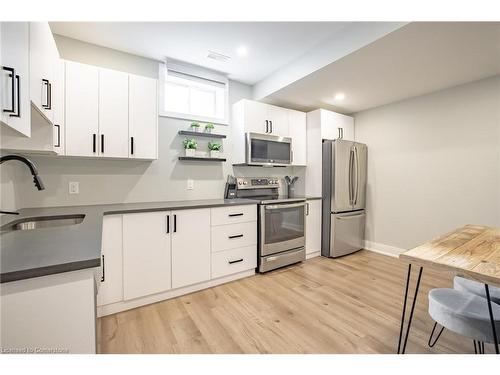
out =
column 339, row 96
column 242, row 51
column 218, row 56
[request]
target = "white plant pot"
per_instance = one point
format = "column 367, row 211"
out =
column 214, row 154
column 190, row 152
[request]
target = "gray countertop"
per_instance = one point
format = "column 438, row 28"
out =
column 45, row 251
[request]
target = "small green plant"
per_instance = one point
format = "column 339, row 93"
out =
column 214, row 146
column 190, row 144
column 209, row 127
column 195, row 125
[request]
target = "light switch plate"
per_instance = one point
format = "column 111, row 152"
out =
column 190, row 184
column 74, row 187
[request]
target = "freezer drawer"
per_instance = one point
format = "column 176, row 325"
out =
column 347, row 233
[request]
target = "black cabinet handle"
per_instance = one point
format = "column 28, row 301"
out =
column 168, row 223
column 233, row 215
column 58, row 135
column 45, row 82
column 18, row 114
column 103, row 277
column 235, row 236
column 307, row 209
column 102, row 143
column 235, row 261
column 131, row 145
column 12, row 75
column 175, row 223
column 50, row 96
column 94, row 143
column 267, row 126
column 270, row 122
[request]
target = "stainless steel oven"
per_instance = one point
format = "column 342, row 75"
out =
column 268, row 150
column 282, row 229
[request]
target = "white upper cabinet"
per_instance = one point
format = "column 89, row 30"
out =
column 255, row 117
column 335, row 125
column 298, row 132
column 82, row 109
column 278, row 120
column 14, row 80
column 190, row 247
column 143, row 117
column 43, row 56
column 113, row 113
column 146, row 254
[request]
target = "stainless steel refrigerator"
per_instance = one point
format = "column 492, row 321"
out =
column 344, row 197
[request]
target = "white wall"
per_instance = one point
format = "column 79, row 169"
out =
column 116, row 181
column 433, row 163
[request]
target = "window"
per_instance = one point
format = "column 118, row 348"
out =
column 194, row 97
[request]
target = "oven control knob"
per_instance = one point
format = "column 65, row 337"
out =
column 244, row 182
column 239, row 182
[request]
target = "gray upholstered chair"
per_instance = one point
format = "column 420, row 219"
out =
column 463, row 313
column 477, row 288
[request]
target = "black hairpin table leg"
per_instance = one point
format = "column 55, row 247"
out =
column 492, row 320
column 402, row 349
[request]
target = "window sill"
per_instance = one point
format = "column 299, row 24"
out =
column 181, row 116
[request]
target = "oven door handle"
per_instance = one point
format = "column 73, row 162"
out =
column 279, row 206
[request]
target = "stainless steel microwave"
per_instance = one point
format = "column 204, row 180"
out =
column 268, row 150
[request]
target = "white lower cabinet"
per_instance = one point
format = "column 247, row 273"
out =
column 151, row 256
column 146, row 254
column 313, row 226
column 190, row 247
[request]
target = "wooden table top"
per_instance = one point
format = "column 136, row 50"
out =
column 472, row 251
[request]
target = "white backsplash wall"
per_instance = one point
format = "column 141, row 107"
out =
column 117, row 181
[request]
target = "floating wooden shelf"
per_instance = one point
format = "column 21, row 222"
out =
column 200, row 158
column 201, row 134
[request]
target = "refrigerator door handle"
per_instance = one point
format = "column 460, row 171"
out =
column 349, row 216
column 351, row 161
column 356, row 163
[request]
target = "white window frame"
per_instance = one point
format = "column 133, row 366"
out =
column 198, row 72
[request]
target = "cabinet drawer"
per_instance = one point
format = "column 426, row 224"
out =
column 232, row 215
column 232, row 236
column 233, row 261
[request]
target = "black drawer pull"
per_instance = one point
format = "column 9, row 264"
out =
column 94, row 143
column 102, row 143
column 103, row 277
column 131, row 145
column 235, row 236
column 235, row 261
column 233, row 215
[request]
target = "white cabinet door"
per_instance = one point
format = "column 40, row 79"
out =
column 279, row 120
column 298, row 133
column 113, row 113
column 146, row 254
column 42, row 58
column 255, row 117
column 190, row 247
column 82, row 98
column 111, row 288
column 15, row 89
column 58, row 106
column 335, row 125
column 143, row 118
column 313, row 226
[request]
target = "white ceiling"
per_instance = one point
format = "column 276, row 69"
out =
column 270, row 45
column 414, row 60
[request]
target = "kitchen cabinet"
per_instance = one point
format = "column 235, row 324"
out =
column 15, row 83
column 113, row 113
column 298, row 133
column 190, row 247
column 111, row 283
column 82, row 109
column 336, row 125
column 252, row 116
column 43, row 56
column 58, row 103
column 146, row 253
column 313, row 227
column 143, row 117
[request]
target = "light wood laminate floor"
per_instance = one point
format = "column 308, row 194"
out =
column 346, row 305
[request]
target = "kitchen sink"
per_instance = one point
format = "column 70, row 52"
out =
column 30, row 223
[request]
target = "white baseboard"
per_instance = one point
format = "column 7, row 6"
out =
column 391, row 251
column 313, row 254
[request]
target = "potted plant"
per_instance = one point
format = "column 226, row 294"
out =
column 209, row 127
column 190, row 146
column 214, row 148
column 195, row 126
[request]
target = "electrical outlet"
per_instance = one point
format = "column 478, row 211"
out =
column 190, row 184
column 74, row 187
